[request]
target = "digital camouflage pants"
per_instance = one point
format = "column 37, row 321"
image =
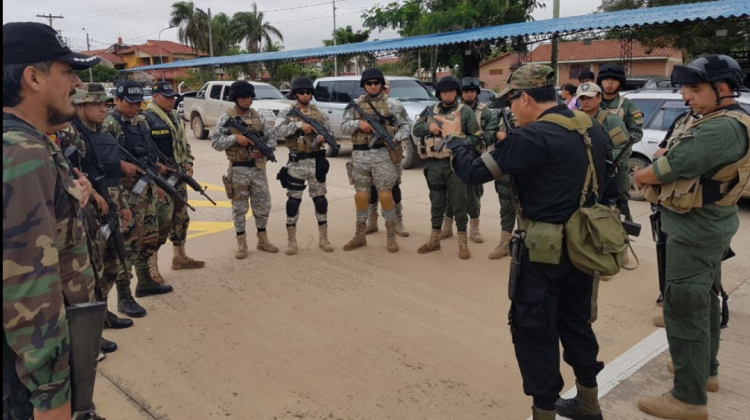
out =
column 374, row 167
column 305, row 170
column 250, row 184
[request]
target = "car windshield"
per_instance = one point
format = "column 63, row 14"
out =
column 410, row 91
column 267, row 92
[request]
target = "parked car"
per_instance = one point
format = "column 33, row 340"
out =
column 333, row 94
column 486, row 96
column 180, row 104
column 211, row 101
column 660, row 108
column 647, row 82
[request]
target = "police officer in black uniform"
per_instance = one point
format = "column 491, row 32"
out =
column 551, row 303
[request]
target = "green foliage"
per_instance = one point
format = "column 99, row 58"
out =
column 346, row 36
column 251, row 27
column 196, row 78
column 399, row 68
column 101, row 73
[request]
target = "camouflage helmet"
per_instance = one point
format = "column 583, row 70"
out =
column 530, row 76
column 90, row 93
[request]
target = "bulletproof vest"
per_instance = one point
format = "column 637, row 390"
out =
column 160, row 134
column 680, row 128
column 305, row 143
column 478, row 113
column 237, row 153
column 102, row 159
column 381, row 106
column 616, row 135
column 723, row 189
column 618, row 111
column 136, row 138
column 429, row 143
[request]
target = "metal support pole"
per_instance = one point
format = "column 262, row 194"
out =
column 555, row 40
column 210, row 35
column 88, row 48
column 335, row 58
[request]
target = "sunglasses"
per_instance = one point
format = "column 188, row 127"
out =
column 372, row 83
column 514, row 97
column 304, row 92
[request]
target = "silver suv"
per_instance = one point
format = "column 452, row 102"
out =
column 333, row 94
column 660, row 107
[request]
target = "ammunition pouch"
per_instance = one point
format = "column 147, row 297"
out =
column 228, row 185
column 322, row 167
column 138, row 190
column 283, row 177
column 544, row 241
column 397, row 154
column 349, row 172
column 517, row 248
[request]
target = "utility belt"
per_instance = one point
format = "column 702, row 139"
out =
column 297, row 156
column 246, row 164
column 361, row 147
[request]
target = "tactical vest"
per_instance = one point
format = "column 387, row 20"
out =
column 161, row 134
column 136, row 139
column 305, row 143
column 478, row 113
column 102, row 159
column 723, row 189
column 618, row 111
column 427, row 149
column 616, row 134
column 381, row 105
column 237, row 153
column 680, row 128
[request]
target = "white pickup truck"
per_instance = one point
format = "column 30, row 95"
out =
column 204, row 110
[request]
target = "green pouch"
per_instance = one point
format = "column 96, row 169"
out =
column 544, row 242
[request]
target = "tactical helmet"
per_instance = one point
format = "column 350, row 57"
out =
column 370, row 74
column 302, row 83
column 241, row 89
column 611, row 71
column 470, row 83
column 711, row 68
column 447, row 83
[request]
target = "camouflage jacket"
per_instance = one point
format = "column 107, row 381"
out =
column 222, row 139
column 45, row 262
column 628, row 113
column 350, row 124
column 287, row 126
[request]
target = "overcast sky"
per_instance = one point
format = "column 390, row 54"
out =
column 138, row 20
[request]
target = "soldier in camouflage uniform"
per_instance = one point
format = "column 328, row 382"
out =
column 611, row 79
column 378, row 165
column 131, row 130
column 505, row 195
column 168, row 133
column 247, row 178
column 307, row 162
column 470, row 90
column 45, row 260
column 443, row 184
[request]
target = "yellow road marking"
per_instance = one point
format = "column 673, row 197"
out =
column 206, row 228
column 204, row 203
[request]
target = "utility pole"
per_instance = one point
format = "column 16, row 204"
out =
column 335, row 58
column 555, row 39
column 50, row 17
column 210, row 35
column 88, row 48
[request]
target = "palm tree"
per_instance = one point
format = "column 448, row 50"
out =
column 251, row 27
column 193, row 24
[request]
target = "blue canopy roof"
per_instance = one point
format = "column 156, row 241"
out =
column 626, row 18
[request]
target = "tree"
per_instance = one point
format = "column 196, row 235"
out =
column 250, row 26
column 695, row 39
column 193, row 24
column 419, row 17
column 101, row 73
column 348, row 36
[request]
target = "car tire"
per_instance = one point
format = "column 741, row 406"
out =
column 636, row 163
column 199, row 129
column 331, row 152
column 411, row 157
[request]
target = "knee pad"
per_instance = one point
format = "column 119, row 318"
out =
column 292, row 206
column 362, row 200
column 396, row 193
column 386, row 200
column 373, row 195
column 321, row 204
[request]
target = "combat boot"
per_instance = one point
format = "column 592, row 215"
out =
column 658, row 320
column 147, row 286
column 447, row 230
column 713, row 381
column 463, row 246
column 667, row 406
column 400, row 229
column 323, row 238
column 539, row 414
column 433, row 244
column 241, row 252
column 372, row 220
column 107, row 346
column 153, row 268
column 584, row 406
column 476, row 237
column 265, row 245
column 291, row 233
column 390, row 227
column 180, row 260
column 503, row 249
column 359, row 238
column 127, row 305
column 112, row 321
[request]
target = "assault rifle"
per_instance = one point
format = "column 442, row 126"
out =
column 258, row 143
column 508, row 123
column 428, row 112
column 661, row 248
column 631, row 228
column 330, row 139
column 152, row 172
column 179, row 174
column 380, row 132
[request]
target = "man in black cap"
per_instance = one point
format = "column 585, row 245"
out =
column 168, row 132
column 45, row 261
column 129, row 126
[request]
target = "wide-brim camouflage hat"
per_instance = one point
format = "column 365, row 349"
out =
column 92, row 93
column 530, row 76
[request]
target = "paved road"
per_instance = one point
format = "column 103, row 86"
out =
column 355, row 335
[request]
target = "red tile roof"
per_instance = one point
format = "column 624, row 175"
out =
column 172, row 47
column 605, row 49
column 388, row 60
column 112, row 58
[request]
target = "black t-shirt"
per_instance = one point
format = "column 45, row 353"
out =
column 548, row 164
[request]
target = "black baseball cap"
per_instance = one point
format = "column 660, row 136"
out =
column 33, row 42
column 130, row 91
column 164, row 88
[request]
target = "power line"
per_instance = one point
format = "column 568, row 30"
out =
column 50, row 18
